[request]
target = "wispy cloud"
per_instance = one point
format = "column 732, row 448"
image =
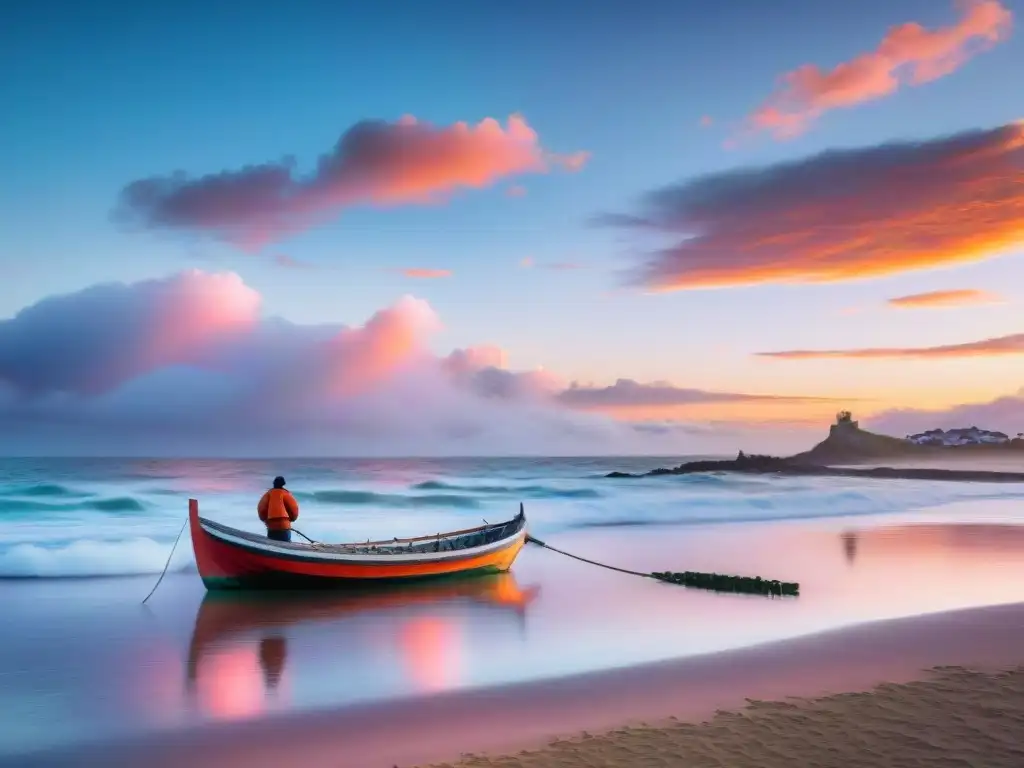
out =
column 908, row 55
column 516, row 190
column 289, row 262
column 562, row 266
column 942, row 299
column 374, row 162
column 839, row 215
column 420, row 273
column 1000, row 345
column 628, row 393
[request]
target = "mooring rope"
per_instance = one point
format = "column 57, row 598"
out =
column 534, row 540
column 314, row 543
column 164, row 573
column 716, row 582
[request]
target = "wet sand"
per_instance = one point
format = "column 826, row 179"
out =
column 954, row 717
column 982, row 710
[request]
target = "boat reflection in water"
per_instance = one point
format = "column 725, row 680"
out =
column 243, row 643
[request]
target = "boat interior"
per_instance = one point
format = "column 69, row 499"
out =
column 439, row 542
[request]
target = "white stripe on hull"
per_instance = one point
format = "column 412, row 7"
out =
column 321, row 555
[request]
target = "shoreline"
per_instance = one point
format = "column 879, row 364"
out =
column 772, row 465
column 501, row 720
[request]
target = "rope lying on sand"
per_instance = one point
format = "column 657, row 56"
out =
column 716, row 582
column 164, row 573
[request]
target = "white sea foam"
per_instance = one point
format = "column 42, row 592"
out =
column 80, row 522
column 88, row 557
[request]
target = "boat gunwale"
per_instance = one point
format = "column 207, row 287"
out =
column 356, row 553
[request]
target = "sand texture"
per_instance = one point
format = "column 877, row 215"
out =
column 955, row 717
column 894, row 723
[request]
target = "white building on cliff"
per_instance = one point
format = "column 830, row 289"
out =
column 965, row 436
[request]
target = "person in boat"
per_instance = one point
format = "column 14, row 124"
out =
column 278, row 509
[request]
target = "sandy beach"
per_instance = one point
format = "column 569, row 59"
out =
column 951, row 690
column 898, row 578
column 953, row 717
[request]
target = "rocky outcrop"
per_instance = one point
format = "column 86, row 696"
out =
column 848, row 444
column 784, row 466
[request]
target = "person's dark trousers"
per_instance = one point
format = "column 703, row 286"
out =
column 285, row 535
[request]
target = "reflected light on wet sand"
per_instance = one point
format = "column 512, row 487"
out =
column 230, row 686
column 429, row 647
column 240, row 651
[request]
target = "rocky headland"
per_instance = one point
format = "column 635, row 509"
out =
column 847, row 444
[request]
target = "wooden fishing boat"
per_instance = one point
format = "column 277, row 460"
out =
column 229, row 558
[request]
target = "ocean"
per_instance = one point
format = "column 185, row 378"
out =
column 84, row 541
column 105, row 517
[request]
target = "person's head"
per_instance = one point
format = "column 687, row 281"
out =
column 279, row 482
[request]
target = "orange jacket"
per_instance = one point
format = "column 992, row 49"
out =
column 278, row 509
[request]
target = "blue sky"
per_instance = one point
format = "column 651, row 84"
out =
column 102, row 93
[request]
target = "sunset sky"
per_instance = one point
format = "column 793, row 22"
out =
column 458, row 228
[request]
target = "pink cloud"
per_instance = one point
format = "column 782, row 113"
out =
column 374, row 163
column 837, row 216
column 1000, row 345
column 573, row 162
column 959, row 297
column 909, row 54
column 188, row 365
column 421, row 273
column 707, row 121
column 516, row 190
column 93, row 341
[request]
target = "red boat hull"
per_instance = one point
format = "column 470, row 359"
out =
column 230, row 559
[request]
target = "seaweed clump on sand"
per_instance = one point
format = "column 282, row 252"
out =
column 719, row 582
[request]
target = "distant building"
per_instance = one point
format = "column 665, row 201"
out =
column 844, row 420
column 965, row 436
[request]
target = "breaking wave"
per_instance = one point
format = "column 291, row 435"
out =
column 91, row 521
column 91, row 558
column 370, row 498
column 531, row 491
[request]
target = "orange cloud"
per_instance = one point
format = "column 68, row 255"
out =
column 418, row 273
column 937, row 299
column 840, row 215
column 633, row 401
column 374, row 162
column 1001, row 345
column 909, row 54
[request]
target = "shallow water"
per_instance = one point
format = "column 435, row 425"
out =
column 84, row 661
column 75, row 517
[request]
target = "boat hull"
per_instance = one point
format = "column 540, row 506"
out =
column 229, row 560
